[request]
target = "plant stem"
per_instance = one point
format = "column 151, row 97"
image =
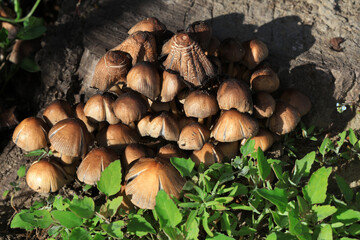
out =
column 24, row 18
column 12, row 202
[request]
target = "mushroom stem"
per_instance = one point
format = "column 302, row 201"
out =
column 173, row 107
column 132, row 125
column 201, row 120
column 208, row 122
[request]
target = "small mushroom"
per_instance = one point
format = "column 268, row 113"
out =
column 296, row 99
column 264, row 79
column 150, row 24
column 80, row 114
column 149, row 175
column 208, row 154
column 201, row 32
column 56, row 111
column 99, row 108
column 229, row 149
column 93, row 164
column 135, row 151
column 284, row 119
column 31, row 134
column 231, row 51
column 213, row 48
column 171, row 86
column 255, row 52
column 264, row 105
column 170, row 150
column 264, row 139
column 193, row 136
column 200, row 104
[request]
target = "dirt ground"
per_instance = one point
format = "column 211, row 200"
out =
column 297, row 33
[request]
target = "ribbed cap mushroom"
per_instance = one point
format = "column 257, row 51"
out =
column 46, row 176
column 264, row 139
column 70, row 137
column 171, row 86
column 56, row 111
column 134, row 152
column 65, row 158
column 111, row 69
column 208, row 155
column 79, row 110
column 296, row 99
column 193, row 136
column 264, row 79
column 264, row 105
column 235, row 94
column 141, row 46
column 233, row 126
column 93, row 164
column 130, row 107
column 149, row 175
column 117, row 136
column 255, row 52
column 150, row 24
column 229, row 149
column 170, row 150
column 200, row 104
column 145, row 79
column 284, row 119
column 187, row 58
column 99, row 108
column 31, row 134
column 201, row 32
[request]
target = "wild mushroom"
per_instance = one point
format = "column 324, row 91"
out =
column 229, row 149
column 135, row 151
column 150, row 24
column 99, row 108
column 80, row 114
column 187, row 58
column 145, row 79
column 201, row 32
column 93, row 164
column 255, row 52
column 235, row 94
column 296, row 99
column 264, row 79
column 231, row 51
column 31, row 134
column 171, row 86
column 233, row 126
column 264, row 105
column 111, row 69
column 149, row 175
column 170, row 150
column 284, row 119
column 193, row 136
column 56, row 111
column 208, row 154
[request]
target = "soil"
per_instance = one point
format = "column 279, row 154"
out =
column 298, row 34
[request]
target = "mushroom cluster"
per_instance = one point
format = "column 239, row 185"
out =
column 163, row 95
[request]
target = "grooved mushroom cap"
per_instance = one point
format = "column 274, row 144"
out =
column 150, row 24
column 158, row 106
column 264, row 105
column 187, row 58
column 31, row 134
column 149, row 175
column 284, row 119
column 93, row 164
column 145, row 79
column 56, row 111
column 117, row 136
column 296, row 99
column 264, row 79
column 70, row 137
column 202, row 33
column 170, row 150
column 99, row 108
column 208, row 155
column 46, row 176
column 229, row 149
column 255, row 52
column 200, row 104
column 193, row 136
column 231, row 50
column 264, row 139
column 141, row 46
column 235, row 94
column 79, row 110
column 171, row 86
column 134, row 152
column 111, row 69
column 233, row 126
column 130, row 107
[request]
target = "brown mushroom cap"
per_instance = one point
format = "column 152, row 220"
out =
column 93, row 164
column 264, row 105
column 231, row 50
column 229, row 149
column 149, row 175
column 213, row 48
column 171, row 86
column 111, row 69
column 145, row 79
column 264, row 139
column 135, row 151
column 201, row 32
column 158, row 106
column 99, row 108
column 44, row 176
column 208, row 155
column 235, row 94
column 31, row 134
column 130, row 107
column 264, row 79
column 141, row 46
column 296, row 99
column 255, row 52
column 79, row 110
column 56, row 111
column 200, row 104
column 233, row 126
column 284, row 119
column 187, row 58
column 163, row 125
column 150, row 24
column 193, row 136
column 70, row 137
column 170, row 150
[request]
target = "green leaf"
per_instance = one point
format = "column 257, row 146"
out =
column 280, row 220
column 54, row 230
column 183, row 165
column 342, row 139
column 67, row 219
column 344, row 188
column 29, row 65
column 98, row 236
column 34, row 153
column 322, row 212
column 352, row 137
column 303, row 166
column 168, row 213
column 139, row 226
column 304, row 207
column 301, row 231
column 173, row 233
column 18, row 222
column 114, row 229
column 79, row 234
column 239, row 189
column 276, row 196
column 111, row 206
column 4, row 40
column 263, row 165
column 192, row 231
column 61, row 204
column 38, row 218
column 324, row 146
column 110, row 180
column 346, row 216
column 21, row 171
column 354, row 229
column 248, row 147
column 205, row 224
column 246, row 231
column 325, row 232
column 33, row 28
column 84, row 208
column 5, row 193
column 315, row 191
column 219, row 236
column 225, row 223
column 241, row 207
